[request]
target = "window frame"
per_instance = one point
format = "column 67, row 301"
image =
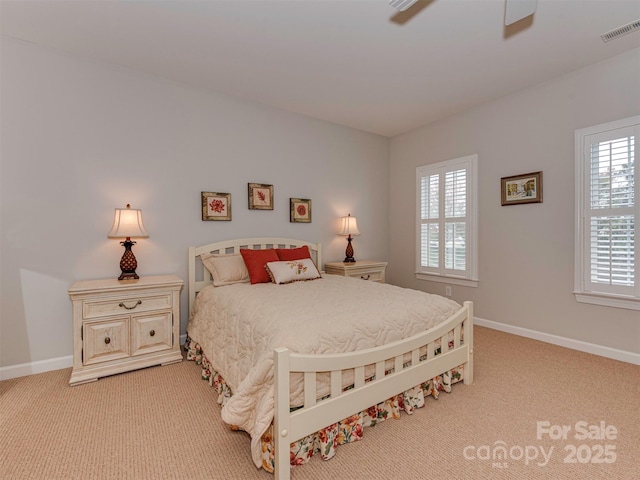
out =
column 586, row 291
column 443, row 275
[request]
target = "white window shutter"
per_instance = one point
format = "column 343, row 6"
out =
column 608, row 213
column 446, row 223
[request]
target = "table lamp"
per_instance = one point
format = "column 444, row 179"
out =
column 127, row 223
column 349, row 227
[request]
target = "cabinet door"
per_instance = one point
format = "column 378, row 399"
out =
column 105, row 340
column 151, row 333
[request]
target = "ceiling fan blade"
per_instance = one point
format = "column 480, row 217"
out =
column 402, row 5
column 516, row 10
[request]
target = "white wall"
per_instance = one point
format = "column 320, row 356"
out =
column 526, row 251
column 80, row 138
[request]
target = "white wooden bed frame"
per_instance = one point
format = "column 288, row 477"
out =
column 317, row 414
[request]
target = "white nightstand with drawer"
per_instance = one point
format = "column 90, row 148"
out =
column 371, row 270
column 120, row 326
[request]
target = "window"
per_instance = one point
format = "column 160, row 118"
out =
column 447, row 221
column 607, row 214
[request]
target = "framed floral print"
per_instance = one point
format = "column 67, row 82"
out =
column 260, row 196
column 519, row 189
column 216, row 206
column 300, row 210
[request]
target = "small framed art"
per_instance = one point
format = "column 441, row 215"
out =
column 260, row 196
column 216, row 206
column 300, row 210
column 519, row 189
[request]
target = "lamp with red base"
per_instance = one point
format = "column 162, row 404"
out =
column 127, row 223
column 349, row 227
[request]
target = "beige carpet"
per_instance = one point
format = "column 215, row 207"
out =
column 163, row 423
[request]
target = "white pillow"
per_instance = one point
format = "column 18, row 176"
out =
column 226, row 269
column 292, row 270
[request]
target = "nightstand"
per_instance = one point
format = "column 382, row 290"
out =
column 371, row 270
column 120, row 326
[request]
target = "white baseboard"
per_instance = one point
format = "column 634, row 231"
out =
column 42, row 366
column 615, row 354
column 32, row 368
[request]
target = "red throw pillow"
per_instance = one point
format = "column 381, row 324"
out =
column 288, row 254
column 255, row 260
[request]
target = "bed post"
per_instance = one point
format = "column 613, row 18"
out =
column 468, row 340
column 192, row 278
column 281, row 414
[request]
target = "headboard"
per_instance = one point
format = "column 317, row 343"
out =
column 199, row 277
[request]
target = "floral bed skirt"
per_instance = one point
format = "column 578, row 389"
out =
column 326, row 440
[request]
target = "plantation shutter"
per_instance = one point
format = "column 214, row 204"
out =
column 455, row 225
column 611, row 212
column 444, row 223
column 430, row 221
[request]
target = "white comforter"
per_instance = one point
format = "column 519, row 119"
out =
column 239, row 326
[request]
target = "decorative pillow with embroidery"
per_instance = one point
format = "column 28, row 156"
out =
column 255, row 260
column 225, row 269
column 292, row 270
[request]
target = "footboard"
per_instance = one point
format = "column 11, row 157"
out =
column 410, row 368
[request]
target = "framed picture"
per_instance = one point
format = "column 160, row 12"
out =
column 260, row 196
column 216, row 206
column 300, row 210
column 519, row 189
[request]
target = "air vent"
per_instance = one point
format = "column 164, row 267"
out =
column 618, row 32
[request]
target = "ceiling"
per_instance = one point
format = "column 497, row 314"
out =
column 358, row 63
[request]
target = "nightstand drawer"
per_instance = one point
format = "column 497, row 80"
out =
column 372, row 275
column 371, row 270
column 128, row 305
column 151, row 333
column 104, row 341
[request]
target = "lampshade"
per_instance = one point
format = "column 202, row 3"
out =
column 128, row 223
column 349, row 226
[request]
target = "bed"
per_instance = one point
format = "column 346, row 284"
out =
column 291, row 381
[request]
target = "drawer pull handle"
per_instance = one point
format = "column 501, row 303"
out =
column 365, row 278
column 107, row 340
column 130, row 308
column 152, row 333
